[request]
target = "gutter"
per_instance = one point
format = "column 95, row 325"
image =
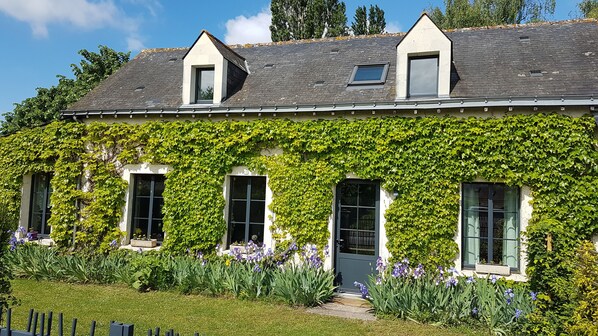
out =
column 400, row 105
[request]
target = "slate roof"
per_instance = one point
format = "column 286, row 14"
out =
column 487, row 62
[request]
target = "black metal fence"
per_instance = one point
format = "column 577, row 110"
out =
column 41, row 324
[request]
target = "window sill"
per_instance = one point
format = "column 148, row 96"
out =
column 140, row 249
column 493, row 269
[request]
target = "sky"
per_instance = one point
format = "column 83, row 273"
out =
column 40, row 39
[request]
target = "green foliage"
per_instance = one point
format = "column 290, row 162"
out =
column 585, row 279
column 449, row 299
column 364, row 24
column 589, row 8
column 6, row 297
column 466, row 13
column 304, row 19
column 256, row 276
column 424, row 159
column 47, row 104
column 151, row 272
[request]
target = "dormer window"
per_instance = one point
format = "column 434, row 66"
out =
column 423, row 76
column 424, row 62
column 204, row 86
column 369, row 74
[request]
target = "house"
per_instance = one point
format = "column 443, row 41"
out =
column 487, row 82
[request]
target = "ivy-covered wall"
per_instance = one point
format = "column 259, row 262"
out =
column 424, row 159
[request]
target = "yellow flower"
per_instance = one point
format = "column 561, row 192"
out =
column 227, row 262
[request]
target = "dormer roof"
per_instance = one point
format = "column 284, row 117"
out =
column 228, row 53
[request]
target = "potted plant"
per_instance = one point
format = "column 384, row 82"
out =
column 141, row 240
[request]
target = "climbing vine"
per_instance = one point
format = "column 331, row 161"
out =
column 424, row 160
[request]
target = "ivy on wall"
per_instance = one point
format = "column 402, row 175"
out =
column 424, row 159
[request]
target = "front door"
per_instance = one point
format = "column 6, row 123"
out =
column 356, row 234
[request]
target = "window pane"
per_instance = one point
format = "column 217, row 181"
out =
column 423, row 76
column 348, row 218
column 157, row 209
column 237, row 233
column 349, row 193
column 256, row 230
column 369, row 73
column 367, row 195
column 238, row 211
column 257, row 212
column 157, row 230
column 142, row 207
column 205, row 90
column 367, row 242
column 258, row 188
column 140, row 227
column 239, row 187
column 471, row 251
column 158, row 186
column 143, row 185
column 367, row 219
column 349, row 244
column 36, row 222
column 498, row 225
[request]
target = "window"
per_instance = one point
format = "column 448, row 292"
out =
column 369, row 74
column 40, row 203
column 147, row 206
column 490, row 225
column 204, row 88
column 423, row 76
column 247, row 209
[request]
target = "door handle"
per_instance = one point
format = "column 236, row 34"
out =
column 339, row 242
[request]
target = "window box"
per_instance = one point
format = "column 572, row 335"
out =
column 493, row 269
column 238, row 247
column 144, row 243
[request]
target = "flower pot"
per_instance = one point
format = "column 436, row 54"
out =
column 493, row 269
column 144, row 243
column 238, row 247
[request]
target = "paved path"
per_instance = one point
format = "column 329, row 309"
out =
column 347, row 306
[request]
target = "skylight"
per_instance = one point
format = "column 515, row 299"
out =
column 369, row 74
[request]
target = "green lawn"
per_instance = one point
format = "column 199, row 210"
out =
column 188, row 314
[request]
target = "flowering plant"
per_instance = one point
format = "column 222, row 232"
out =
column 447, row 297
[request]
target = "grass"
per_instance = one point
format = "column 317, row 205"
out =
column 189, row 314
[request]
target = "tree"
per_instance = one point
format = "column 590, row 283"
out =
column 48, row 102
column 303, row 19
column 466, row 13
column 365, row 24
column 589, row 8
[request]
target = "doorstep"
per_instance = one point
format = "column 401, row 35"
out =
column 345, row 305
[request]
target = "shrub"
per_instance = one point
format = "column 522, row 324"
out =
column 6, row 297
column 585, row 279
column 151, row 272
column 304, row 282
column 444, row 297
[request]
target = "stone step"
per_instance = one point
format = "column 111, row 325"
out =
column 346, row 306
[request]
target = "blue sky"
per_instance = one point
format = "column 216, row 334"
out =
column 41, row 38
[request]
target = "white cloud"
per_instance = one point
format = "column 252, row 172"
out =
column 81, row 14
column 134, row 43
column 393, row 27
column 251, row 29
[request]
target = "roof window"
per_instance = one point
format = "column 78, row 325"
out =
column 423, row 76
column 369, row 74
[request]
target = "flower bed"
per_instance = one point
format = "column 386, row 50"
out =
column 265, row 273
column 446, row 297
